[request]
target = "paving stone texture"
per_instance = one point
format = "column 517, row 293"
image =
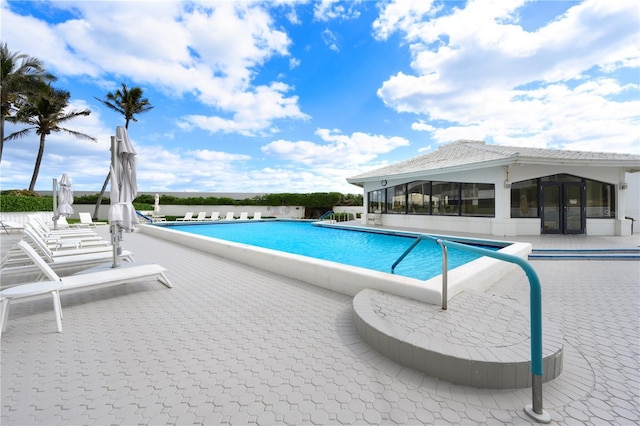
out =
column 230, row 344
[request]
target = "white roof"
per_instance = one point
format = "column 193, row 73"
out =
column 469, row 155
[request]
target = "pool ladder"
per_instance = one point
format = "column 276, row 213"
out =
column 534, row 410
column 333, row 217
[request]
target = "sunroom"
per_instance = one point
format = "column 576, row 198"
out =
column 469, row 186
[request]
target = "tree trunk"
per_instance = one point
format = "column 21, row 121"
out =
column 36, row 169
column 1, row 137
column 102, row 191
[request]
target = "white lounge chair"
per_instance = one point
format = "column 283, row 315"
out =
column 257, row 216
column 11, row 227
column 18, row 268
column 374, row 218
column 104, row 277
column 187, row 217
column 43, row 229
column 86, row 220
column 30, row 290
column 63, row 224
column 244, row 215
column 61, row 241
column 158, row 218
column 201, row 216
column 68, row 248
column 229, row 216
column 215, row 216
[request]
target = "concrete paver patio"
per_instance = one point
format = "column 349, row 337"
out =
column 233, row 344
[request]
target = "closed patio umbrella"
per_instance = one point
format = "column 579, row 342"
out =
column 156, row 205
column 63, row 198
column 124, row 189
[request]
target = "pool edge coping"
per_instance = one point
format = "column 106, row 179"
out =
column 479, row 274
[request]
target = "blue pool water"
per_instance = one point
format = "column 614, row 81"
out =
column 369, row 250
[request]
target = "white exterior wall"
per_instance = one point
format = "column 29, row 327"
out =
column 283, row 212
column 502, row 224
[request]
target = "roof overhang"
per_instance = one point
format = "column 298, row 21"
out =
column 630, row 166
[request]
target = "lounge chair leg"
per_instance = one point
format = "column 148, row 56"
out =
column 164, row 280
column 5, row 314
column 57, row 309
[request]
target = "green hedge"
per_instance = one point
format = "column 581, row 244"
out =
column 19, row 203
column 316, row 201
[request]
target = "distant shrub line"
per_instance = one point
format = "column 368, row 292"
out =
column 25, row 201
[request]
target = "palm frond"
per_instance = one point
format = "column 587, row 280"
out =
column 77, row 134
column 19, row 134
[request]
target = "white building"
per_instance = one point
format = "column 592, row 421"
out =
column 469, row 186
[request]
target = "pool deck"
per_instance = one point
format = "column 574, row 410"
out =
column 234, row 344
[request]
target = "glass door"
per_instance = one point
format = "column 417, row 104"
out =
column 573, row 206
column 551, row 212
column 562, row 208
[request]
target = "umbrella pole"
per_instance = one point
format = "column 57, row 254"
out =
column 55, row 203
column 114, row 227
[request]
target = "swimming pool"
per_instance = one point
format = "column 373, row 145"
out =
column 479, row 274
column 370, row 250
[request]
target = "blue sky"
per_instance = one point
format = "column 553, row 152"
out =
column 297, row 96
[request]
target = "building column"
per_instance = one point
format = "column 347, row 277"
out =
column 502, row 224
column 365, row 205
column 623, row 226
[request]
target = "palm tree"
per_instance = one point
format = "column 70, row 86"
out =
column 45, row 113
column 127, row 102
column 21, row 75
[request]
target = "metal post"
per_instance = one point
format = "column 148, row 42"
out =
column 534, row 410
column 116, row 233
column 445, row 269
column 55, row 203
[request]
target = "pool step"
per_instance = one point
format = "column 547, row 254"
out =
column 585, row 254
column 479, row 341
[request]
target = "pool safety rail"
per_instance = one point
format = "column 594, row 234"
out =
column 145, row 217
column 334, row 217
column 534, row 410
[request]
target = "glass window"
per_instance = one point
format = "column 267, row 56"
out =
column 561, row 178
column 445, row 198
column 600, row 199
column 524, row 198
column 478, row 199
column 397, row 199
column 376, row 201
column 418, row 197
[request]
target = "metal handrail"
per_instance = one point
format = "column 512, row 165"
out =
column 534, row 410
column 329, row 213
column 408, row 250
column 144, row 216
column 444, row 264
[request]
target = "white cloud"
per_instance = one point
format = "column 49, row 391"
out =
column 330, row 39
column 294, row 63
column 170, row 45
column 401, row 16
column 476, row 69
column 339, row 150
column 326, row 10
column 199, row 170
column 255, row 111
